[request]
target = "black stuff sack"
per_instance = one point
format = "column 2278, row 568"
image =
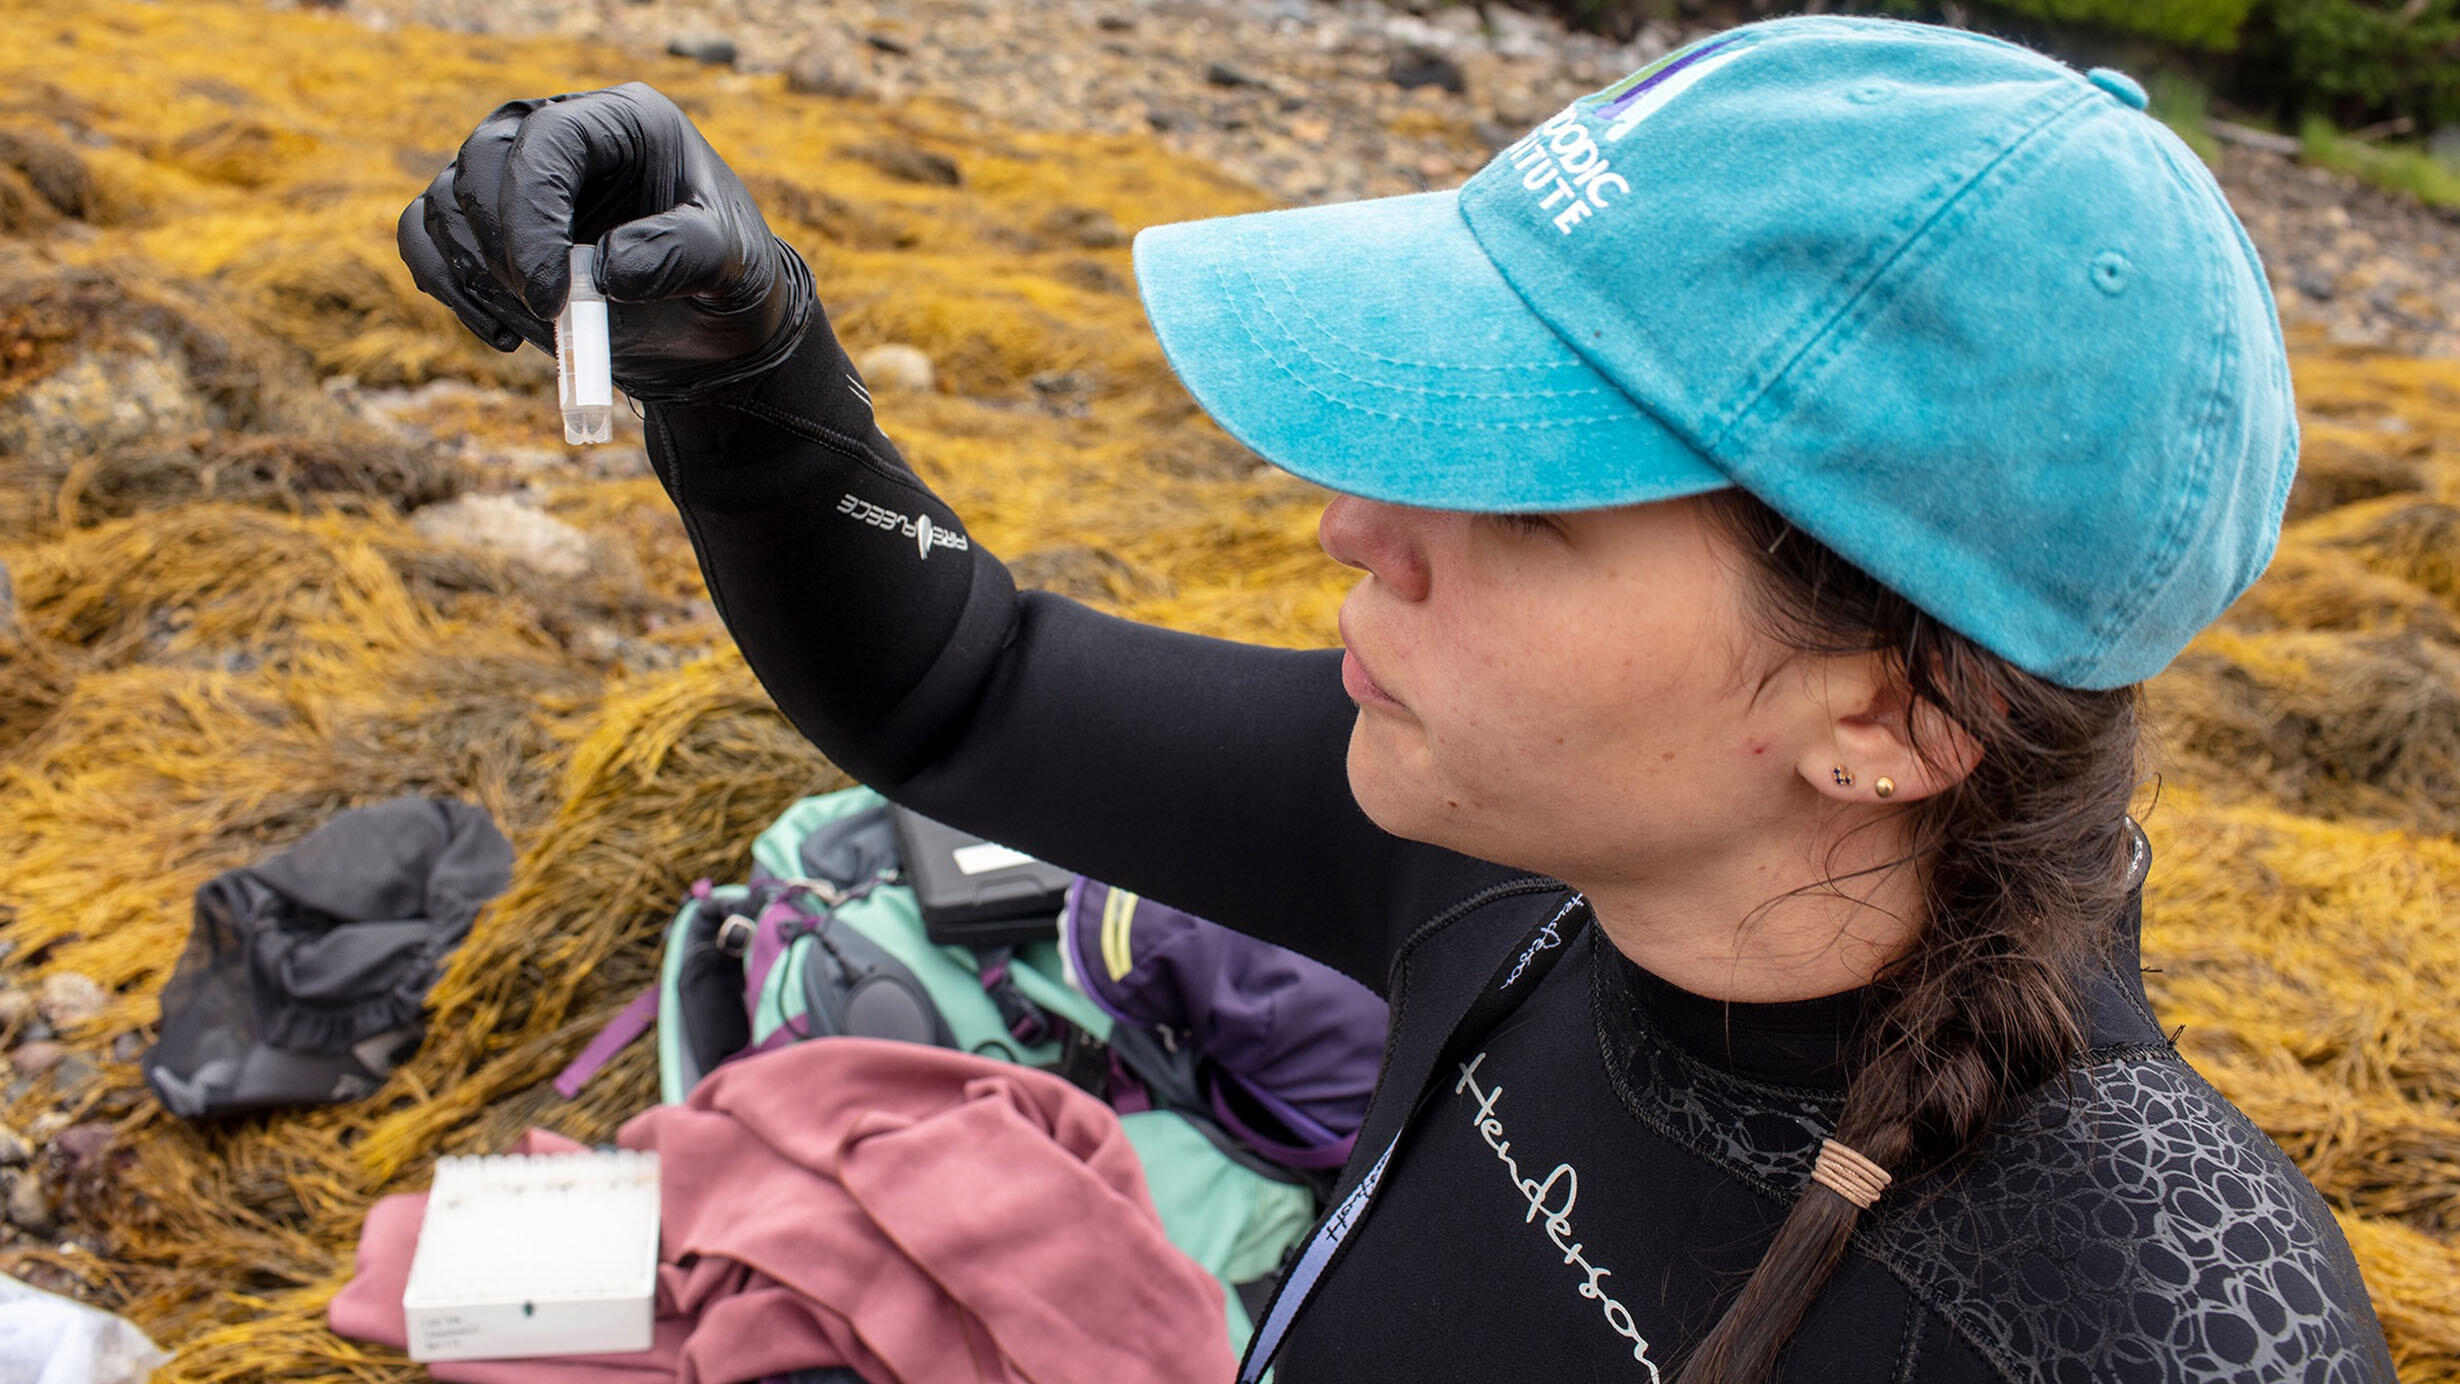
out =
column 305, row 973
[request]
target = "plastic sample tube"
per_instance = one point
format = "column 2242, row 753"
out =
column 584, row 374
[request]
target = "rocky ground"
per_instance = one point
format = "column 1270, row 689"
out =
column 30, row 1020
column 1316, row 101
column 1310, row 100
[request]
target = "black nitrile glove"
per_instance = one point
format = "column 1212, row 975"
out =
column 700, row 294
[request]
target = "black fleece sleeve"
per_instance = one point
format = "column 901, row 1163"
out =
column 1204, row 773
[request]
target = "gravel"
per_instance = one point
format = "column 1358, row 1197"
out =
column 1302, row 98
column 1328, row 100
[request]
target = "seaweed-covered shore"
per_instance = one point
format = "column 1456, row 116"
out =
column 280, row 539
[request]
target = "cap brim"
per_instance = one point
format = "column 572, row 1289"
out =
column 1372, row 347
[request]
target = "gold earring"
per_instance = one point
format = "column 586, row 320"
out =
column 1885, row 787
column 1844, row 777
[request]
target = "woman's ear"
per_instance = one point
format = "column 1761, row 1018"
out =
column 1887, row 744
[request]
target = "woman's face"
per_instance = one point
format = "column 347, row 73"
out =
column 1582, row 695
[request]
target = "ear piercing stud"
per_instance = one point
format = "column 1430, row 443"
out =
column 1844, row 777
column 1885, row 787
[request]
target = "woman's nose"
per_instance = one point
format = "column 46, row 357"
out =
column 1385, row 541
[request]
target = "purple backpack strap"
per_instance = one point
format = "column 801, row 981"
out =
column 773, row 927
column 621, row 1031
column 618, row 1034
column 1323, row 1150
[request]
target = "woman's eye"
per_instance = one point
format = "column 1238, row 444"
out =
column 1533, row 524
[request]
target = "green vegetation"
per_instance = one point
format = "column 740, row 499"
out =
column 2402, row 168
column 2182, row 103
column 2362, row 60
column 2211, row 25
column 2357, row 61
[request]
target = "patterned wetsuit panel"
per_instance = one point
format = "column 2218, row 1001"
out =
column 2135, row 1225
column 1764, row 1134
column 2130, row 1224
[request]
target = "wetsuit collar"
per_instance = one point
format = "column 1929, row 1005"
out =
column 1789, row 1043
column 1804, row 1043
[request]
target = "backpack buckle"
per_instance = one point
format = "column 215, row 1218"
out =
column 734, row 936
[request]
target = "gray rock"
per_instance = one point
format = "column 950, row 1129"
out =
column 127, row 1047
column 75, row 1072
column 1090, row 274
column 2315, row 285
column 83, row 1142
column 896, row 366
column 906, row 162
column 51, row 1278
column 2444, row 144
column 1090, row 227
column 1114, row 23
column 519, row 532
column 68, row 998
column 828, row 66
column 703, row 46
column 8, row 602
column 29, row 1205
column 56, row 172
column 14, row 1150
column 134, row 392
column 1494, row 135
column 888, row 43
column 2248, row 137
column 1222, row 74
column 1417, row 67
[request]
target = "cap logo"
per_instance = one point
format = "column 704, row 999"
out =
column 1560, row 162
column 1649, row 90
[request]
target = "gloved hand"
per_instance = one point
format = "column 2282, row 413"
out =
column 700, row 294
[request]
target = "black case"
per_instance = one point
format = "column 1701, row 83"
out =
column 1003, row 905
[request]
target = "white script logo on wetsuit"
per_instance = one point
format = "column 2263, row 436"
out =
column 1547, row 937
column 1543, row 1195
column 926, row 535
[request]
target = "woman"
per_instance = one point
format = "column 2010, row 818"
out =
column 1770, row 479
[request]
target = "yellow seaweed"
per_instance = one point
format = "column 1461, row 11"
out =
column 225, row 636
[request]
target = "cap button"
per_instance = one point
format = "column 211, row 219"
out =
column 2120, row 85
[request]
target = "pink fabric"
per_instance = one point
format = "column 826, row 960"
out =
column 921, row 1215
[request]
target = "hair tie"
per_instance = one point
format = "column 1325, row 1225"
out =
column 1849, row 1174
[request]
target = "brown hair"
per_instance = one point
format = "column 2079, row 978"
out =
column 2023, row 868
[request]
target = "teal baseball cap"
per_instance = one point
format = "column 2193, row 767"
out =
column 1965, row 315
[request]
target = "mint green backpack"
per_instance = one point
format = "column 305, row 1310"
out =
column 828, row 939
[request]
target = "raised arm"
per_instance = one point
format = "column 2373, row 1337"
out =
column 1205, row 773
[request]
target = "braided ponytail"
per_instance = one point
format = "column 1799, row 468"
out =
column 2023, row 865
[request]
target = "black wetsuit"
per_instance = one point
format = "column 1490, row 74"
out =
column 1587, row 1159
